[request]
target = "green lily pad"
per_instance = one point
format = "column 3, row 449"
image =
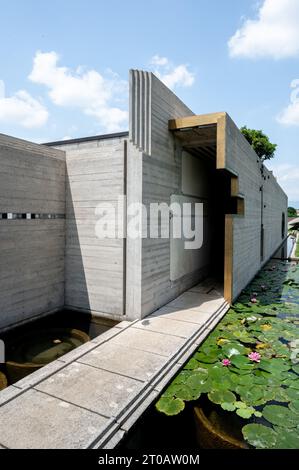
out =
column 228, row 406
column 292, row 393
column 245, row 380
column 245, row 413
column 273, row 364
column 244, row 337
column 186, row 393
column 233, row 349
column 170, row 406
column 240, row 404
column 242, row 362
column 251, row 396
column 286, row 438
column 221, row 396
column 207, row 358
column 197, row 380
column 296, row 368
column 294, row 406
column 192, row 364
column 259, row 436
column 280, row 415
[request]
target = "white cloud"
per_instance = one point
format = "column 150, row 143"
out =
column 159, row 61
column 290, row 115
column 85, row 89
column 275, row 33
column 287, row 176
column 21, row 109
column 171, row 75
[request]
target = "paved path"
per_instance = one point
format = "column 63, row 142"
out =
column 91, row 397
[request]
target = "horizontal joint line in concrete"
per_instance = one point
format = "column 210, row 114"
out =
column 70, row 403
column 108, row 370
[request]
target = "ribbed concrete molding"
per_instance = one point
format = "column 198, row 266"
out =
column 140, row 110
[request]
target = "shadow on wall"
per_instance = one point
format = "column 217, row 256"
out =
column 76, row 290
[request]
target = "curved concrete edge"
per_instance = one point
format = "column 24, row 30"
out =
column 50, row 369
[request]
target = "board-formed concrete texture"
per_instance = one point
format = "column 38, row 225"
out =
column 94, row 398
column 48, row 263
column 158, row 152
column 32, row 184
column 156, row 158
column 94, row 267
column 163, row 296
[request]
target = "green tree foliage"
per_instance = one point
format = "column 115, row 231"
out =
column 260, row 143
column 292, row 212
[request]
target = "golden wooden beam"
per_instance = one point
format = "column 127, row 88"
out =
column 194, row 121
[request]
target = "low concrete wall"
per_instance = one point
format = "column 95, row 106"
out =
column 32, row 181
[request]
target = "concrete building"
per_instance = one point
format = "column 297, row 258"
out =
column 50, row 254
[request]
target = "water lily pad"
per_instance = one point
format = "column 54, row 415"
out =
column 274, row 366
column 245, row 380
column 296, row 368
column 294, row 384
column 186, row 393
column 207, row 358
column 242, row 362
column 294, row 406
column 170, row 406
column 259, row 436
column 228, row 406
column 244, row 337
column 245, row 413
column 221, row 396
column 280, row 415
column 286, row 438
column 196, row 380
column 292, row 393
column 240, row 404
column 192, row 364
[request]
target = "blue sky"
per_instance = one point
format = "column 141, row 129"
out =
column 64, row 66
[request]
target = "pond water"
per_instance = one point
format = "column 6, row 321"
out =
column 244, row 377
column 39, row 342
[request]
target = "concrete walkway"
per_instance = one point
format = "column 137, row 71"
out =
column 92, row 396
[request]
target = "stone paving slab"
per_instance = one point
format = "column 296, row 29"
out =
column 117, row 358
column 149, row 341
column 183, row 315
column 41, row 374
column 95, row 389
column 8, row 394
column 38, row 421
column 171, row 326
column 198, row 301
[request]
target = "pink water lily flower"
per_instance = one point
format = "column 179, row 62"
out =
column 253, row 300
column 226, row 362
column 254, row 356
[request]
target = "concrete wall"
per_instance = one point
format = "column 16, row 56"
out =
column 32, row 180
column 243, row 161
column 157, row 160
column 94, row 271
